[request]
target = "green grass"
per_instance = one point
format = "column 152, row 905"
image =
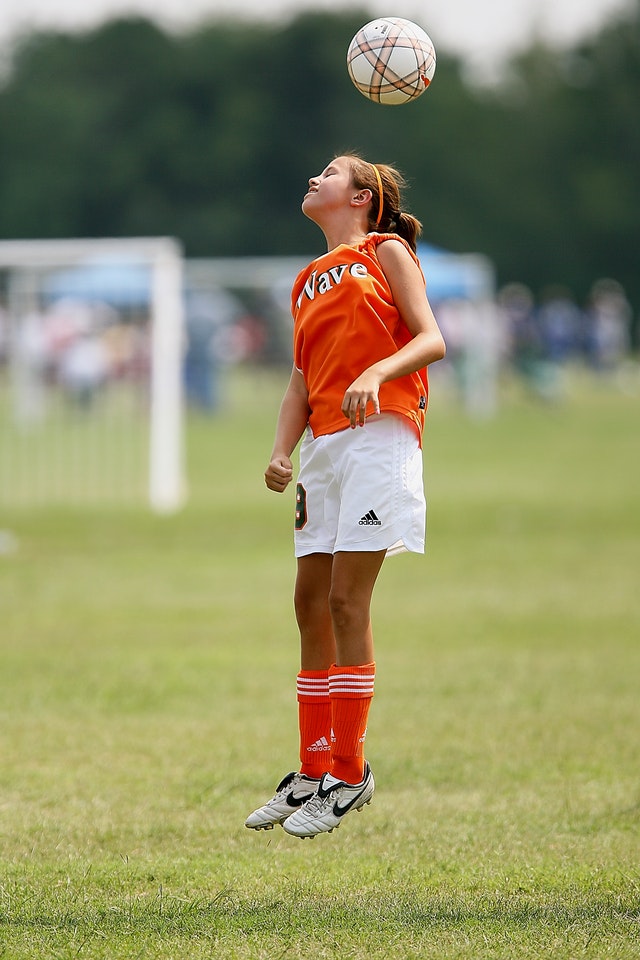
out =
column 147, row 672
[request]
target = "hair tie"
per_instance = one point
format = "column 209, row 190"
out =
column 380, row 194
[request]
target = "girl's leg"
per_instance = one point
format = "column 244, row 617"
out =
column 353, row 577
column 351, row 679
column 318, row 652
column 311, row 602
column 335, row 683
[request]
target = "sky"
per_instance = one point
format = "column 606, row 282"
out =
column 483, row 34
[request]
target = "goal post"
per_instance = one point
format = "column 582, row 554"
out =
column 166, row 458
column 65, row 304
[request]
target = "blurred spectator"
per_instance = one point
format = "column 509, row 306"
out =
column 210, row 316
column 84, row 368
column 561, row 325
column 609, row 320
column 4, row 335
column 527, row 350
column 475, row 341
column 30, row 353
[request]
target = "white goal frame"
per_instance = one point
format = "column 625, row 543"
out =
column 166, row 472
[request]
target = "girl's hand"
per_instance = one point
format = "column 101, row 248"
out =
column 363, row 390
column 279, row 474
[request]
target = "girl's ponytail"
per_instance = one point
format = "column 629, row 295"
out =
column 406, row 226
column 385, row 215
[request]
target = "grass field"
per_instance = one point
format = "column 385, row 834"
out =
column 147, row 678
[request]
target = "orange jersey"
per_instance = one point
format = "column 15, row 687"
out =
column 344, row 321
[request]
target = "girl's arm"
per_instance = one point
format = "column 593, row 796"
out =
column 426, row 346
column 292, row 421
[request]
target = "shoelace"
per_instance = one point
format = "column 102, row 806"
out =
column 318, row 804
column 288, row 787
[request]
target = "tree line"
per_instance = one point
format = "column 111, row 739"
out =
column 211, row 135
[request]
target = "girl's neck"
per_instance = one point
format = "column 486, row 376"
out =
column 343, row 228
column 351, row 239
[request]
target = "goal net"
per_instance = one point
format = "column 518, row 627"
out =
column 91, row 344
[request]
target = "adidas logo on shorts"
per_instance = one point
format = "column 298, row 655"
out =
column 370, row 519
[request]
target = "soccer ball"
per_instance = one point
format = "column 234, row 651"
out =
column 391, row 60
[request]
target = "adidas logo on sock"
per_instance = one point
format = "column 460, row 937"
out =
column 319, row 745
column 370, row 519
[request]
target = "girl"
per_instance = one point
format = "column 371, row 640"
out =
column 364, row 334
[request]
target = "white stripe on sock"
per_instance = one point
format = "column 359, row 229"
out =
column 351, row 683
column 313, row 686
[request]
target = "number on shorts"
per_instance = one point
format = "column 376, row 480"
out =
column 301, row 506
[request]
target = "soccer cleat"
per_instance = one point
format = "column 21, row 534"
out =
column 290, row 794
column 324, row 811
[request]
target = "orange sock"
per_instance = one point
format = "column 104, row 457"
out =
column 314, row 719
column 351, row 690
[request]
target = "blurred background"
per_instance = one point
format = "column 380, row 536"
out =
column 203, row 121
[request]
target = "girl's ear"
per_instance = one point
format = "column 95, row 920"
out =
column 362, row 198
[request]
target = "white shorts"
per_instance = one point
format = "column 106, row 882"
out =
column 361, row 489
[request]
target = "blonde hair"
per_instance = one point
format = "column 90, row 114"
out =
column 385, row 215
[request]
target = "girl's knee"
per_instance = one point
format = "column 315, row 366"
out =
column 345, row 609
column 310, row 605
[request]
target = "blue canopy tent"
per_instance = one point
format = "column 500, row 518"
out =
column 120, row 282
column 459, row 276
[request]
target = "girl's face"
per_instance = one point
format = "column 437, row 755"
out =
column 331, row 190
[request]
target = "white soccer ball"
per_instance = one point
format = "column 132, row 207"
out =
column 391, row 60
